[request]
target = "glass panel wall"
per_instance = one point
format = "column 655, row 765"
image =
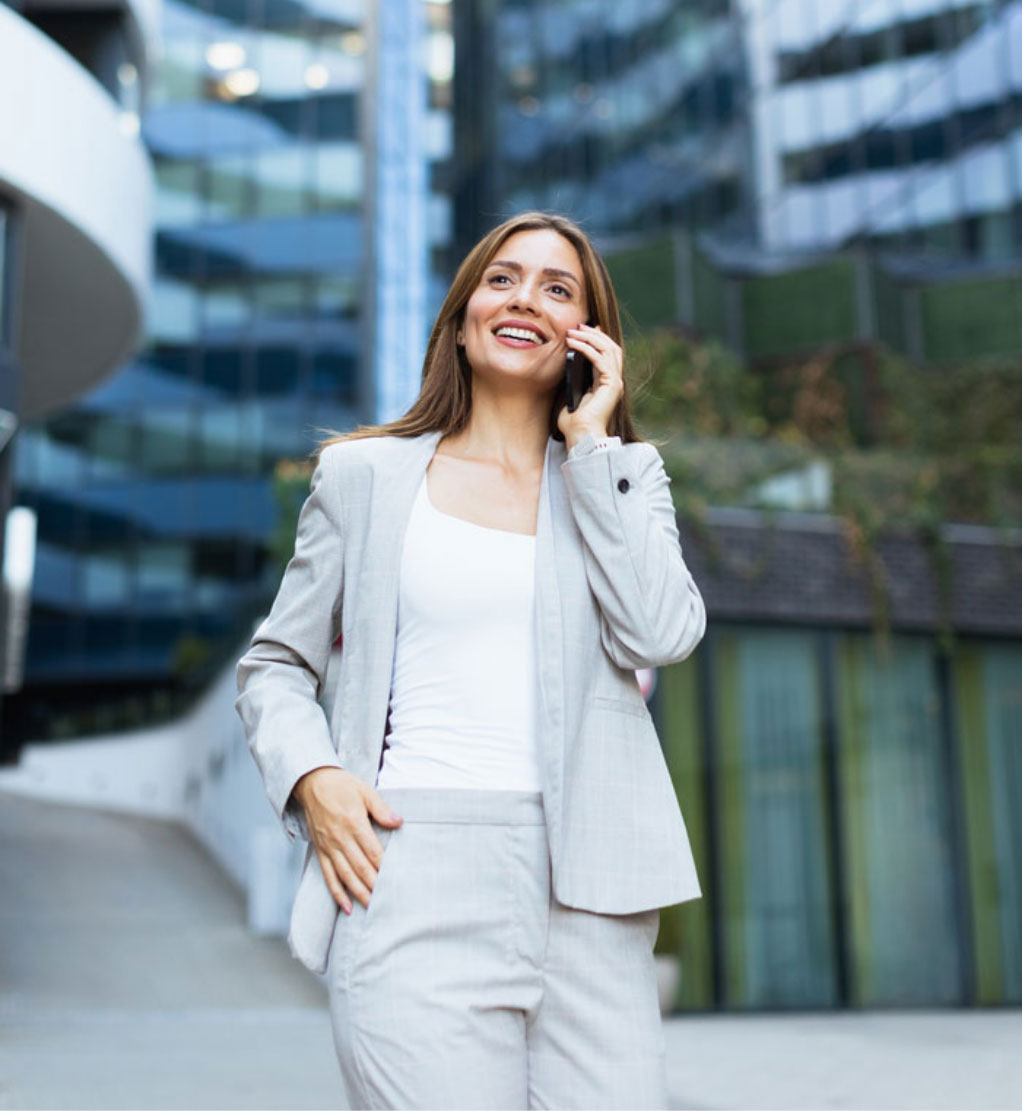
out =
column 896, row 802
column 5, row 292
column 775, row 899
column 854, row 812
column 687, row 929
column 988, row 690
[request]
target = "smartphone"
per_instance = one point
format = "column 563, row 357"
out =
column 578, row 379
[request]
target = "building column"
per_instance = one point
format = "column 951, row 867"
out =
column 397, row 245
column 9, row 392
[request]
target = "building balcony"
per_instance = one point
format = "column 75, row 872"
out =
column 77, row 179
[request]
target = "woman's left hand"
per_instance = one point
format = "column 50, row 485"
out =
column 598, row 403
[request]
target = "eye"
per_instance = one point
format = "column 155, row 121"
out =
column 498, row 277
column 567, row 292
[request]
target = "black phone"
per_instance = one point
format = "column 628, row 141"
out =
column 578, row 379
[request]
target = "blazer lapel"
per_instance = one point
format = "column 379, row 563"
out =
column 394, row 488
column 548, row 627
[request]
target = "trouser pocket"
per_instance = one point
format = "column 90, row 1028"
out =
column 350, row 929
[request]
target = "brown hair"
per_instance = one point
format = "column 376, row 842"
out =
column 445, row 398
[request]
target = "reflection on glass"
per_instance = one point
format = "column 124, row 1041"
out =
column 337, row 170
column 180, row 71
column 58, row 465
column 163, row 572
column 165, row 439
column 337, row 297
column 219, row 431
column 283, row 61
column 989, row 701
column 173, row 309
column 111, row 444
column 106, row 579
column 4, row 313
column 897, row 825
column 229, row 192
column 280, row 297
column 779, row 934
column 280, row 177
column 225, row 55
column 225, row 305
column 178, row 193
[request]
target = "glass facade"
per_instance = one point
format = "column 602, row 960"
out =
column 777, row 125
column 155, row 494
column 628, row 117
column 855, row 818
column 6, row 281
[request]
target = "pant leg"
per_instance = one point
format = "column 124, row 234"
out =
column 429, row 988
column 597, row 1038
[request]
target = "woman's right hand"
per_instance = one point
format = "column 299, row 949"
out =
column 338, row 806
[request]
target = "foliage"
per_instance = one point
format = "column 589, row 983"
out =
column 905, row 447
column 290, row 489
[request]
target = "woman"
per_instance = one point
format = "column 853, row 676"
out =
column 493, row 828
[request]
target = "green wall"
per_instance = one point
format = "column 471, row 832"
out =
column 802, row 308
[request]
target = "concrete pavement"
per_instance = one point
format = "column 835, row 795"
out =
column 128, row 980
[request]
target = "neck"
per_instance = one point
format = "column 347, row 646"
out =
column 511, row 431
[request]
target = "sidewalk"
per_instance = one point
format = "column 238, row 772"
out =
column 128, row 980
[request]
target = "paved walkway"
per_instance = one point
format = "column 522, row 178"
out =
column 128, row 980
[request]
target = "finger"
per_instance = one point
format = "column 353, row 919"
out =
column 363, row 840
column 579, row 336
column 596, row 334
column 364, row 854
column 380, row 810
column 352, row 877
column 334, row 884
column 588, row 349
column 608, row 350
column 373, row 850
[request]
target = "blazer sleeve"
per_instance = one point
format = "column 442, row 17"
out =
column 281, row 675
column 651, row 611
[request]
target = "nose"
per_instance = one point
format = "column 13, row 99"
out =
column 524, row 297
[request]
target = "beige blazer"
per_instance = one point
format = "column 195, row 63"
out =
column 612, row 594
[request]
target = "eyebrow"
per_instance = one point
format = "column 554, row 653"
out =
column 553, row 272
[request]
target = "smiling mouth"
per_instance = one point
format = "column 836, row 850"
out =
column 519, row 337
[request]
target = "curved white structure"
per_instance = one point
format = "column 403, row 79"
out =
column 72, row 164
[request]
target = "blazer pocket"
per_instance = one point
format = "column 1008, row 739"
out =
column 625, row 705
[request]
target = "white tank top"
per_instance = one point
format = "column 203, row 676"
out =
column 462, row 697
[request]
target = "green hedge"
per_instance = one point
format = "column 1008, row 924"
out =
column 644, row 280
column 800, row 310
column 964, row 319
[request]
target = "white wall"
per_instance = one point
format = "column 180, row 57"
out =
column 196, row 770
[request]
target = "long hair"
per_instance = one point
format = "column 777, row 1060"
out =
column 445, row 397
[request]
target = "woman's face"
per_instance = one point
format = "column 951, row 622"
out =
column 531, row 293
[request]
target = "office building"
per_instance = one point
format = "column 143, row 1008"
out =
column 158, row 493
column 75, row 226
column 776, row 124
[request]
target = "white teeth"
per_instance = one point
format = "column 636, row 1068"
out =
column 518, row 333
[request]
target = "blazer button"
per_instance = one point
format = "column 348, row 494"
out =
column 623, row 485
